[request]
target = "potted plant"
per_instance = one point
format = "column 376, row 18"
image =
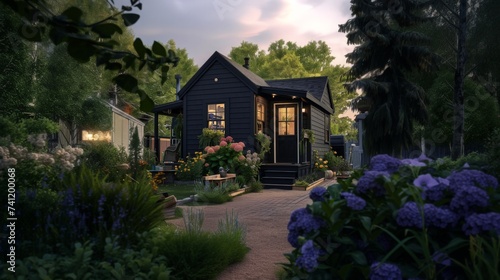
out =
column 308, row 134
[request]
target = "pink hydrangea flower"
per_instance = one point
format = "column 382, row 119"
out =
column 206, row 148
column 242, row 144
column 223, row 143
column 241, row 157
column 237, row 148
column 216, row 148
column 229, row 139
column 210, row 150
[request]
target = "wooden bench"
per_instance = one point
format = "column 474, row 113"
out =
column 218, row 180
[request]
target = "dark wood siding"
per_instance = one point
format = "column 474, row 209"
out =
column 317, row 126
column 238, row 100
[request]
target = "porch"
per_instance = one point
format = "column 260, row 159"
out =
column 282, row 175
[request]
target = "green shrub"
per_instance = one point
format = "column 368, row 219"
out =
column 193, row 220
column 226, row 154
column 202, row 255
column 312, row 177
column 216, row 194
column 116, row 263
column 210, row 137
column 191, row 168
column 256, row 186
column 86, row 208
column 248, row 166
column 105, row 158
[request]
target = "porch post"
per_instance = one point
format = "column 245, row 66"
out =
column 157, row 139
column 302, row 155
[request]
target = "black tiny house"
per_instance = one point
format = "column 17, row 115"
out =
column 227, row 96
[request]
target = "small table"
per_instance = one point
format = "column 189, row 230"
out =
column 218, row 180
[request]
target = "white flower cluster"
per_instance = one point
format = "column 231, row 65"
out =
column 38, row 140
column 64, row 158
column 252, row 160
column 5, row 160
column 67, row 157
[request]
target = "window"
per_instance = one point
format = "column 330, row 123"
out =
column 327, row 128
column 286, row 121
column 260, row 117
column 260, row 112
column 216, row 117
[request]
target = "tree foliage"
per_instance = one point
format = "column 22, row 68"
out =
column 481, row 112
column 85, row 41
column 17, row 89
column 387, row 50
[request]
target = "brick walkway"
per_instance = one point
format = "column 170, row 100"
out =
column 265, row 216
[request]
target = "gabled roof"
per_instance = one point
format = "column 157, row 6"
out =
column 313, row 89
column 314, row 86
column 250, row 79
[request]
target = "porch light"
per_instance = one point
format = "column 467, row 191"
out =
column 303, row 110
column 274, row 95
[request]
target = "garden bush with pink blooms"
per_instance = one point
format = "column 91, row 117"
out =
column 228, row 154
column 399, row 219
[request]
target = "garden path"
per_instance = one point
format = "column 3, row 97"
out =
column 265, row 216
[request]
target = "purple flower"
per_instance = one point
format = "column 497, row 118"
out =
column 468, row 198
column 435, row 193
column 409, row 215
column 441, row 258
column 318, row 194
column 368, row 183
column 439, row 217
column 477, row 223
column 433, row 189
column 302, row 222
column 412, row 162
column 384, row 163
column 308, row 258
column 470, row 177
column 425, row 180
column 384, row 271
column 354, row 202
column 424, row 158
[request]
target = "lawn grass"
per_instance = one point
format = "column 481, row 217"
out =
column 179, row 190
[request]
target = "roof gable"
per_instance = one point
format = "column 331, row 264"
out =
column 318, row 89
column 250, row 79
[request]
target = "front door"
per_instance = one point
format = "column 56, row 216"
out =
column 286, row 133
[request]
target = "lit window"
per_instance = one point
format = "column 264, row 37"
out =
column 216, row 117
column 260, row 112
column 286, row 121
column 260, row 117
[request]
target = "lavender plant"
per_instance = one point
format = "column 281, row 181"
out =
column 399, row 219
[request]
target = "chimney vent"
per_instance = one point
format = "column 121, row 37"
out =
column 246, row 65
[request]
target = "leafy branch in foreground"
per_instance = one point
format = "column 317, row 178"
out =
column 87, row 40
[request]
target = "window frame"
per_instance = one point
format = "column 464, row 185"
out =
column 223, row 119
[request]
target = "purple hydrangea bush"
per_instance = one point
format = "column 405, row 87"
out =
column 399, row 219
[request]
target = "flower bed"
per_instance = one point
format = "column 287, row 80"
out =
column 399, row 219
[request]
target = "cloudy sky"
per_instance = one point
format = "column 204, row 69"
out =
column 205, row 26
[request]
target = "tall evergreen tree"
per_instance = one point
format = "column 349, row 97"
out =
column 388, row 49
